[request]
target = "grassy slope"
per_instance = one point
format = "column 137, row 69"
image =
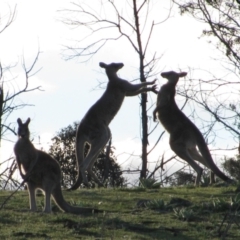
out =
column 123, row 219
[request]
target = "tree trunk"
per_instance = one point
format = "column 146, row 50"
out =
column 144, row 135
column 144, row 119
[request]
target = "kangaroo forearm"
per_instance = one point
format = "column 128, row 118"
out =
column 20, row 168
column 142, row 90
column 131, row 88
column 23, row 176
column 154, row 114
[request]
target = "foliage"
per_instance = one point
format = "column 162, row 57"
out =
column 235, row 202
column 232, row 166
column 63, row 150
column 217, row 204
column 181, row 178
column 156, row 204
column 121, row 220
column 149, row 183
column 184, row 214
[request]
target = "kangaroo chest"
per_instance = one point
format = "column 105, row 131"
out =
column 25, row 152
column 176, row 122
column 168, row 116
column 105, row 109
column 167, row 110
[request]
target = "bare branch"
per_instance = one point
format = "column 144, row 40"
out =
column 156, row 143
column 8, row 99
column 27, row 76
column 161, row 165
column 223, row 19
column 149, row 37
column 9, row 20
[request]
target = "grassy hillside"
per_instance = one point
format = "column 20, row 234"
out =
column 167, row 213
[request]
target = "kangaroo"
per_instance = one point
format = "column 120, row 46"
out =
column 41, row 171
column 184, row 135
column 94, row 126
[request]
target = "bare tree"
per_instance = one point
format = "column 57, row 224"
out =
column 8, row 21
column 10, row 91
column 9, row 96
column 112, row 22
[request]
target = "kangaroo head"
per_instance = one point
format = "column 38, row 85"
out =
column 173, row 76
column 111, row 68
column 23, row 131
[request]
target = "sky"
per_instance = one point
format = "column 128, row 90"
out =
column 71, row 87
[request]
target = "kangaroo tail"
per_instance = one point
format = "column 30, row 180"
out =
column 202, row 146
column 64, row 206
column 80, row 144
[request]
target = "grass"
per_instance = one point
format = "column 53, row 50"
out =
column 139, row 213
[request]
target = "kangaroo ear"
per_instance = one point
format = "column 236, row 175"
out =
column 103, row 65
column 19, row 121
column 28, row 121
column 182, row 74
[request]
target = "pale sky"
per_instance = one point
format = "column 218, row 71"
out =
column 69, row 86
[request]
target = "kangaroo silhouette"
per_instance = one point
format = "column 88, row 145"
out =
column 94, row 129
column 184, row 135
column 41, row 171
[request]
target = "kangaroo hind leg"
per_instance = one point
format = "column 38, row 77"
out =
column 32, row 196
column 80, row 148
column 196, row 155
column 48, row 188
column 181, row 150
column 96, row 145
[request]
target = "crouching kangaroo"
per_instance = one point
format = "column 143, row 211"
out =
column 94, row 126
column 41, row 171
column 184, row 135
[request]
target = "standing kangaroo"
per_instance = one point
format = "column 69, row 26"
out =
column 41, row 171
column 184, row 135
column 94, row 126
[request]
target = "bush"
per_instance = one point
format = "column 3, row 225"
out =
column 232, row 167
